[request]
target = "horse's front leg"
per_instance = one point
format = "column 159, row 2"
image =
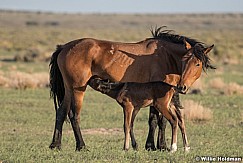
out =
column 61, row 114
column 153, row 121
column 161, row 142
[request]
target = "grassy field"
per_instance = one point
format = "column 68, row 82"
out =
column 27, row 121
column 27, row 114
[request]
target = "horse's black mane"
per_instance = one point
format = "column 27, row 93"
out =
column 168, row 35
column 198, row 51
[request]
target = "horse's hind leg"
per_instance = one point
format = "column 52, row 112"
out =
column 74, row 116
column 153, row 121
column 161, row 142
column 61, row 114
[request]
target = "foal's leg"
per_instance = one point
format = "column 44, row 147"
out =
column 134, row 143
column 128, row 111
column 74, row 116
column 153, row 121
column 172, row 118
column 174, row 124
column 183, row 130
column 161, row 142
column 61, row 114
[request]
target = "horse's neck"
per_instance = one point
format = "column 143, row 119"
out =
column 174, row 54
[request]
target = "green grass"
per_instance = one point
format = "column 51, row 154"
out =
column 27, row 116
column 27, row 121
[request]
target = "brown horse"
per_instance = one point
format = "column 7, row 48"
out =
column 154, row 59
column 133, row 96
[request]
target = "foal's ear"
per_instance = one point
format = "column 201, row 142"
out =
column 207, row 50
column 187, row 45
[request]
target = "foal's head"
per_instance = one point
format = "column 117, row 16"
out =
column 193, row 62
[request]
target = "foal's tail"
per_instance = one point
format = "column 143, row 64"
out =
column 57, row 90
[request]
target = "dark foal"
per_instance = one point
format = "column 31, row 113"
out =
column 133, row 96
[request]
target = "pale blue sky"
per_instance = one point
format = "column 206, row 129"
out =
column 126, row 6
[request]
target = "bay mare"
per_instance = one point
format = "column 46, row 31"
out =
column 133, row 96
column 160, row 58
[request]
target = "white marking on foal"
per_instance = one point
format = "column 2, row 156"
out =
column 173, row 148
column 187, row 149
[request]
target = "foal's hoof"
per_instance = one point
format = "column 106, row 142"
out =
column 125, row 149
column 173, row 148
column 187, row 149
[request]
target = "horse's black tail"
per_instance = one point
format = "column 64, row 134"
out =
column 57, row 89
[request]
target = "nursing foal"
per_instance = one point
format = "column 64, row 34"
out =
column 133, row 96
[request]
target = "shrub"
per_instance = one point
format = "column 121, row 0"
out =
column 32, row 55
column 226, row 89
column 31, row 23
column 233, row 88
column 217, row 83
column 3, row 81
column 195, row 112
column 22, row 80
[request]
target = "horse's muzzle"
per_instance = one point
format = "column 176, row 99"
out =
column 182, row 89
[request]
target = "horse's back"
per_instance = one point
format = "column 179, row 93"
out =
column 127, row 62
column 74, row 61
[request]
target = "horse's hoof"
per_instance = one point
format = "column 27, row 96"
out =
column 54, row 145
column 135, row 147
column 150, row 147
column 163, row 148
column 82, row 148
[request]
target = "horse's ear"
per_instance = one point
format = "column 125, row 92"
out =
column 207, row 50
column 187, row 45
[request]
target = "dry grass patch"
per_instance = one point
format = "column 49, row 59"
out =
column 224, row 88
column 3, row 80
column 22, row 80
column 217, row 83
column 233, row 88
column 195, row 112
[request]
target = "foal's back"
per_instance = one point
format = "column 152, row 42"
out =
column 137, row 94
column 145, row 94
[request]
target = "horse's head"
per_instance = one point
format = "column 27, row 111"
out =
column 193, row 62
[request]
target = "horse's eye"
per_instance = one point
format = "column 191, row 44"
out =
column 198, row 64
